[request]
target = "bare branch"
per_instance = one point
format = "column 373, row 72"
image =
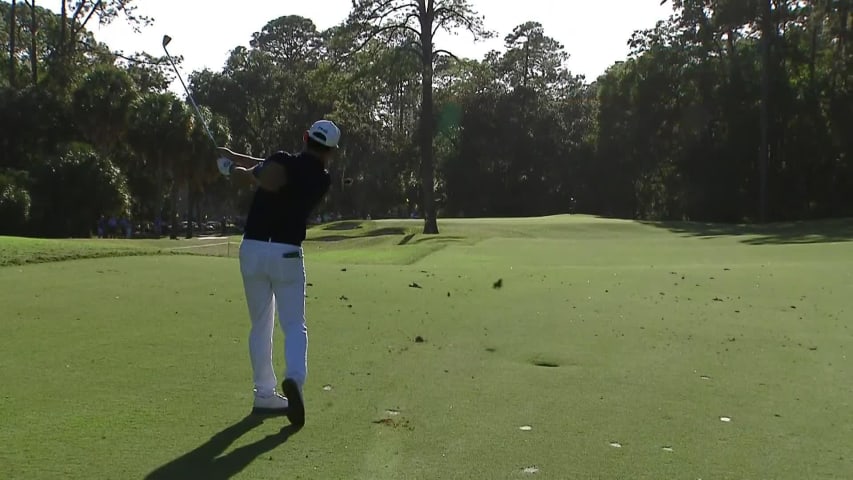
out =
column 438, row 26
column 446, row 13
column 441, row 51
column 77, row 12
column 138, row 61
column 390, row 28
column 390, row 12
column 409, row 17
column 375, row 16
column 89, row 17
column 378, row 8
column 373, row 34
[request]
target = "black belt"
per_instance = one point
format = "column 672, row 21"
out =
column 261, row 238
column 258, row 238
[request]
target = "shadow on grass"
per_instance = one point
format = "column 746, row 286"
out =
column 408, row 238
column 826, row 231
column 379, row 232
column 206, row 462
column 345, row 225
column 441, row 239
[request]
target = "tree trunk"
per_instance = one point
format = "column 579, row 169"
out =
column 190, row 212
column 844, row 28
column 734, row 64
column 173, row 201
column 34, row 44
column 427, row 169
column 813, row 49
column 13, row 30
column 766, row 36
column 160, row 204
column 62, row 30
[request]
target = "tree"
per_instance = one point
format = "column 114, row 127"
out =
column 264, row 91
column 13, row 32
column 768, row 32
column 533, row 59
column 72, row 190
column 533, row 67
column 289, row 39
column 72, row 36
column 149, row 73
column 421, row 19
column 33, row 41
column 159, row 130
column 196, row 169
column 15, row 203
column 83, row 11
column 102, row 105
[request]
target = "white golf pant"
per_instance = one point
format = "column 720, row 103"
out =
column 274, row 277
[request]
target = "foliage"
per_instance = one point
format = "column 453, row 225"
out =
column 15, row 203
column 677, row 130
column 72, row 190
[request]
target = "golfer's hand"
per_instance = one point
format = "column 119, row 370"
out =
column 225, row 165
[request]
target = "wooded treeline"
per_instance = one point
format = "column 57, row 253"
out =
column 730, row 110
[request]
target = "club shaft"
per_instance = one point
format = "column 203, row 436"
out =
column 197, row 110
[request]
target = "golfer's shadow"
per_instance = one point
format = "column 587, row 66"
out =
column 205, row 461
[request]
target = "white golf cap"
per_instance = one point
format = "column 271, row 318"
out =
column 325, row 132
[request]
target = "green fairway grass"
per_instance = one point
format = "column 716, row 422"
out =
column 23, row 251
column 621, row 346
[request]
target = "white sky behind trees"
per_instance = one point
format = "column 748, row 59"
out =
column 593, row 32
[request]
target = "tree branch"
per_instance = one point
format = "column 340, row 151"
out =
column 373, row 34
column 376, row 17
column 77, row 12
column 441, row 51
column 412, row 30
column 438, row 25
column 137, row 61
column 89, row 17
column 376, row 9
column 446, row 13
column 409, row 17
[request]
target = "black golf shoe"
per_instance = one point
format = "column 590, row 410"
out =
column 296, row 408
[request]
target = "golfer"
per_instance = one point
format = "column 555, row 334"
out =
column 289, row 187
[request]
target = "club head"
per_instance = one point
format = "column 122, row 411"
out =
column 166, row 40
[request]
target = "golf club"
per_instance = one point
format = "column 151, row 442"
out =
column 166, row 40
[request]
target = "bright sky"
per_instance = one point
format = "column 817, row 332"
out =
column 593, row 32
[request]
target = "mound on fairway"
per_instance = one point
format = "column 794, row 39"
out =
column 612, row 349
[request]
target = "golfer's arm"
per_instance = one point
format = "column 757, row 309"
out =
column 245, row 175
column 245, row 160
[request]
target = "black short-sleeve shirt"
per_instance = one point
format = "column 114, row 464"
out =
column 282, row 216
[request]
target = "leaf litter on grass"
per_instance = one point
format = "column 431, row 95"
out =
column 390, row 422
column 677, row 321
